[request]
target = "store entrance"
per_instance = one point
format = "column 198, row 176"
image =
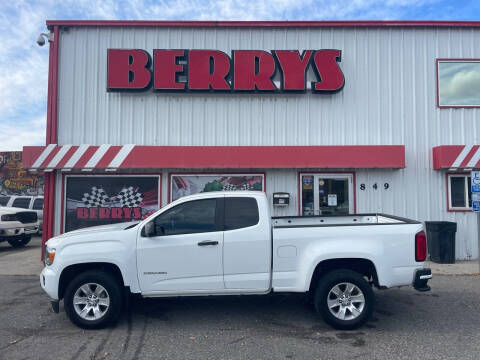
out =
column 326, row 194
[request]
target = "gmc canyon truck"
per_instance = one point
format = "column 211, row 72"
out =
column 226, row 243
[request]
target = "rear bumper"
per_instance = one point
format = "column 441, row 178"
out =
column 421, row 279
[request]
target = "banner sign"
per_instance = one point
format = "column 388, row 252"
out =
column 183, row 185
column 175, row 70
column 102, row 200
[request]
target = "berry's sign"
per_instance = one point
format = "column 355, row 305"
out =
column 215, row 71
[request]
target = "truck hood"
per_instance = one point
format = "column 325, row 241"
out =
column 91, row 230
column 11, row 210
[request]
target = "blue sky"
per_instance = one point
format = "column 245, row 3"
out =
column 24, row 65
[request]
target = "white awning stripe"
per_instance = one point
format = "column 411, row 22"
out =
column 76, row 156
column 43, row 156
column 121, row 156
column 473, row 161
column 93, row 161
column 461, row 157
column 58, row 156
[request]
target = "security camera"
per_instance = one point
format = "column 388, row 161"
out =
column 40, row 40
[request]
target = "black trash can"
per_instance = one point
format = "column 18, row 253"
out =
column 441, row 241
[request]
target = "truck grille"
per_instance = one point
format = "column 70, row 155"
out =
column 27, row 217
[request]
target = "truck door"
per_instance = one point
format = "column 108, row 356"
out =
column 185, row 252
column 247, row 245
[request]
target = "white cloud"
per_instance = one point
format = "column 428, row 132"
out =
column 13, row 137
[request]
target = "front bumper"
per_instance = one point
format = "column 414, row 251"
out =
column 421, row 278
column 16, row 231
column 49, row 283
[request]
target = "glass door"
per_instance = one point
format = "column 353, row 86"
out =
column 326, row 194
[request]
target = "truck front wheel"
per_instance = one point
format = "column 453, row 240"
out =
column 93, row 300
column 344, row 299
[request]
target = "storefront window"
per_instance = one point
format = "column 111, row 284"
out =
column 458, row 83
column 102, row 200
column 459, row 188
column 189, row 184
column 326, row 194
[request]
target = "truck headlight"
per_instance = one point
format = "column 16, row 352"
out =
column 49, row 255
column 9, row 217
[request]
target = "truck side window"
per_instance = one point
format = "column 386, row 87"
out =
column 23, row 203
column 37, row 204
column 196, row 216
column 240, row 212
column 4, row 200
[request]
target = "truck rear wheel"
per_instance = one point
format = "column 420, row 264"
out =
column 344, row 299
column 19, row 241
column 93, row 300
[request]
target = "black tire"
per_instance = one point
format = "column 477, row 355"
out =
column 114, row 292
column 339, row 277
column 19, row 241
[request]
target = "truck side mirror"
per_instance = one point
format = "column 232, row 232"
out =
column 149, row 229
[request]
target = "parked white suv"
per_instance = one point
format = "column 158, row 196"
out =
column 34, row 203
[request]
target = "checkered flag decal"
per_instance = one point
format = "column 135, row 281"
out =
column 96, row 197
column 246, row 187
column 229, row 187
column 129, row 197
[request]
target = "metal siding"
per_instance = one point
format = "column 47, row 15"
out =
column 389, row 98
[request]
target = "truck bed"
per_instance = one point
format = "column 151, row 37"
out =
column 339, row 220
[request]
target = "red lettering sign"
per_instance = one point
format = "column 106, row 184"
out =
column 293, row 68
column 253, row 70
column 128, row 69
column 166, row 70
column 208, row 70
column 213, row 70
column 328, row 71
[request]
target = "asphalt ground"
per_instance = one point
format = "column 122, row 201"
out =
column 441, row 324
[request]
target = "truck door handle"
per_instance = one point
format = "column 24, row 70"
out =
column 207, row 242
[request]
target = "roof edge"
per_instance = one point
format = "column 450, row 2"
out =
column 271, row 24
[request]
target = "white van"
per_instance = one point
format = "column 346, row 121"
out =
column 34, row 203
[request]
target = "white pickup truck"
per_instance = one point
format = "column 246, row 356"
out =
column 17, row 225
column 226, row 243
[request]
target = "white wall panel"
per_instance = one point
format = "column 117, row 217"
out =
column 389, row 98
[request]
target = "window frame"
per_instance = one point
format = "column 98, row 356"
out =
column 449, row 192
column 439, row 60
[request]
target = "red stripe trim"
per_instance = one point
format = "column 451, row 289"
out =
column 49, row 158
column 108, row 157
column 30, row 154
column 469, row 156
column 251, row 157
column 67, row 157
column 216, row 24
column 244, row 157
column 85, row 157
column 445, row 155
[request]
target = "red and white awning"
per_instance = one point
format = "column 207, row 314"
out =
column 456, row 157
column 112, row 157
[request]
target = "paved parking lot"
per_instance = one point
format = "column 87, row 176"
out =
column 442, row 324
